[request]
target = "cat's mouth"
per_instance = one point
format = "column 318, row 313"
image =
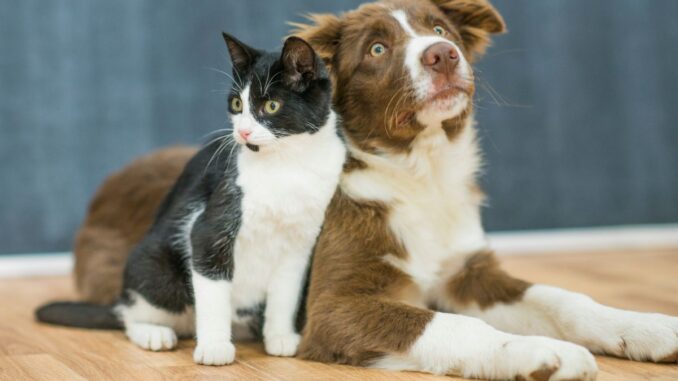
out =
column 252, row 147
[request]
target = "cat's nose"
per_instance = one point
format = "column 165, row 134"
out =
column 245, row 134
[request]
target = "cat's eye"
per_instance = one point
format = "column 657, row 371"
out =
column 377, row 49
column 439, row 30
column 236, row 105
column 271, row 107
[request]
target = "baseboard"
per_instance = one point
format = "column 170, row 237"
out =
column 598, row 239
column 544, row 242
column 28, row 265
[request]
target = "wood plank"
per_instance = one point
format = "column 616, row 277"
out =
column 646, row 281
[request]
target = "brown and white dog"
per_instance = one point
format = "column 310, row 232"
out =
column 402, row 277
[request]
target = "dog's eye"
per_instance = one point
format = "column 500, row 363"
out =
column 236, row 105
column 271, row 107
column 377, row 49
column 439, row 30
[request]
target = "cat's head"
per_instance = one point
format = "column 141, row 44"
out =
column 276, row 95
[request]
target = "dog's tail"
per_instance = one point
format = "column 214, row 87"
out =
column 78, row 314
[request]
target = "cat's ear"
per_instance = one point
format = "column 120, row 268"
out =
column 299, row 63
column 242, row 56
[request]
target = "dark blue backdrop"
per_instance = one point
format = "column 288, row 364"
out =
column 577, row 104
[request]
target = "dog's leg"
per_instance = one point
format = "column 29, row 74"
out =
column 481, row 289
column 365, row 330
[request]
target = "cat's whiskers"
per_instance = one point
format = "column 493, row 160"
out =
column 236, row 83
column 230, row 155
column 270, row 83
column 261, row 87
column 222, row 146
column 240, row 81
column 268, row 74
column 216, row 132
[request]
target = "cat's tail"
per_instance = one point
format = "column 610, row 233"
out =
column 79, row 314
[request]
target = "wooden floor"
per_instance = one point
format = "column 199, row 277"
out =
column 645, row 281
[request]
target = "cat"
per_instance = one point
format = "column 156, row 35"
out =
column 231, row 244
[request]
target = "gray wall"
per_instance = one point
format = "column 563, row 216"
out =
column 579, row 127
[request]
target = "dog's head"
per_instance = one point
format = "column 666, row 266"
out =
column 402, row 65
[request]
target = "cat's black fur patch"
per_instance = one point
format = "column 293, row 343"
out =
column 305, row 88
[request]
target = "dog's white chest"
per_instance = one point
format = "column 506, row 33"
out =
column 433, row 210
column 438, row 230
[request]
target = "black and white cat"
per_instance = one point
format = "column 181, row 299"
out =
column 232, row 241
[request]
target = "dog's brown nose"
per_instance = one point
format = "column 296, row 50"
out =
column 440, row 57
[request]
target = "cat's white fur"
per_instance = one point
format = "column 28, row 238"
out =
column 286, row 188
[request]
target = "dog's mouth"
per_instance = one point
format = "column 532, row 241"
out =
column 447, row 93
column 443, row 99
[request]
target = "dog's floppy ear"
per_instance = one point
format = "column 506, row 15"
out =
column 323, row 33
column 476, row 20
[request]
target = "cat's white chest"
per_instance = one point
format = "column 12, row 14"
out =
column 283, row 207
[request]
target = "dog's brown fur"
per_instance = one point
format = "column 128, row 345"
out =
column 353, row 284
column 121, row 212
column 482, row 281
column 359, row 306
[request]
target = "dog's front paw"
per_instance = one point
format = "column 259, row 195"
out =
column 544, row 359
column 214, row 353
column 641, row 336
column 282, row 345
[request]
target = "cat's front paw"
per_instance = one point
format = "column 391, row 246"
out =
column 641, row 336
column 214, row 353
column 282, row 345
column 151, row 336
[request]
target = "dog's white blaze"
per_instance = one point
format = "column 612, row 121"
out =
column 401, row 16
column 245, row 121
column 421, row 80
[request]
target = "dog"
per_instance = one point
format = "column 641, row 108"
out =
column 402, row 275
